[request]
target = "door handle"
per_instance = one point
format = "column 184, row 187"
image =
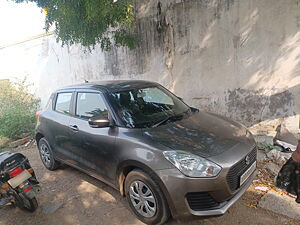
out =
column 74, row 128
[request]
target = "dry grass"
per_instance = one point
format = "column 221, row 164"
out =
column 4, row 141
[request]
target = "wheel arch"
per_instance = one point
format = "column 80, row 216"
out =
column 38, row 137
column 126, row 167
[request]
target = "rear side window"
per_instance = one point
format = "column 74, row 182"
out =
column 90, row 105
column 63, row 102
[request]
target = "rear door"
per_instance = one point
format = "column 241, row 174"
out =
column 93, row 148
column 58, row 124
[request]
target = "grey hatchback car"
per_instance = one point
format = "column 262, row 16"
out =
column 167, row 158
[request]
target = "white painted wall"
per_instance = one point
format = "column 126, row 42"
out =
column 238, row 58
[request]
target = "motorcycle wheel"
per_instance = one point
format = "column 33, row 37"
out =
column 28, row 204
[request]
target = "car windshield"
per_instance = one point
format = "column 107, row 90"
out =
column 148, row 107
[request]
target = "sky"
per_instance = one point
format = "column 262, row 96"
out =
column 19, row 21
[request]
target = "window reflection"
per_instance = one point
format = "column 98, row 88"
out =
column 63, row 102
column 144, row 107
column 90, row 105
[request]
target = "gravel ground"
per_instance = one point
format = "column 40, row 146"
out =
column 71, row 197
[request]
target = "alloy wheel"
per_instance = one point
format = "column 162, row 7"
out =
column 45, row 154
column 142, row 199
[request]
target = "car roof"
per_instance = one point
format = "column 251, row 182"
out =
column 112, row 85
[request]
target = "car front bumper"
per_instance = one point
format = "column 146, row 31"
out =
column 179, row 186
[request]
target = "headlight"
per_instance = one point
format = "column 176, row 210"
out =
column 192, row 165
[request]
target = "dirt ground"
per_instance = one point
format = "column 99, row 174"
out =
column 81, row 199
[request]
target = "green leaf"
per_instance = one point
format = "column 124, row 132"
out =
column 90, row 22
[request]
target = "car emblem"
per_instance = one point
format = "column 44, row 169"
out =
column 247, row 160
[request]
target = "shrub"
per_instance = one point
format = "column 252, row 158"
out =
column 17, row 109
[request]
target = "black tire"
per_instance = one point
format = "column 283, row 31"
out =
column 49, row 162
column 30, row 205
column 25, row 203
column 162, row 212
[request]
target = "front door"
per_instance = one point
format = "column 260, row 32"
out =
column 92, row 147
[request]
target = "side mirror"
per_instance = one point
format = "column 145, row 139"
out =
column 99, row 122
column 194, row 109
column 180, row 98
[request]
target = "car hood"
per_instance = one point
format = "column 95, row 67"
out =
column 203, row 134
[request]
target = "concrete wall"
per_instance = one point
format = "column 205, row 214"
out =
column 239, row 58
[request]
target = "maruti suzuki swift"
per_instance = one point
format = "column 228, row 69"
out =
column 167, row 158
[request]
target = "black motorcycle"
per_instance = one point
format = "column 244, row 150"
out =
column 18, row 183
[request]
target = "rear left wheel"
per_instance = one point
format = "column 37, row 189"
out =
column 46, row 155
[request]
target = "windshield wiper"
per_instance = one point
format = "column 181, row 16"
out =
column 161, row 122
column 168, row 118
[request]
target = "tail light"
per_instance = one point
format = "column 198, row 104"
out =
column 27, row 189
column 38, row 113
column 15, row 172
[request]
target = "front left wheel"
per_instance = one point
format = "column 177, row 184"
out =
column 145, row 198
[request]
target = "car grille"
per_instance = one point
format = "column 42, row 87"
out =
column 233, row 176
column 199, row 201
